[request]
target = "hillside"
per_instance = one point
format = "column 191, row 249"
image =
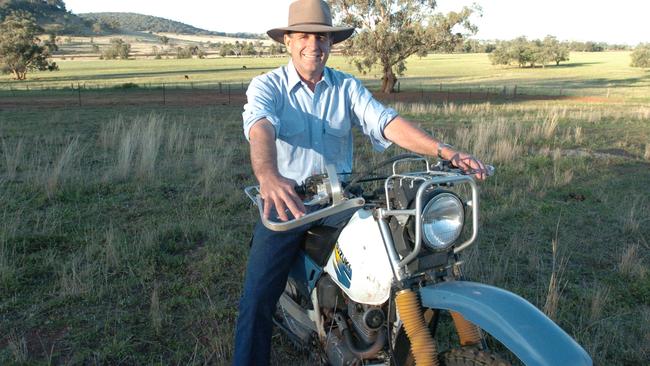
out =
column 50, row 14
column 53, row 16
column 133, row 22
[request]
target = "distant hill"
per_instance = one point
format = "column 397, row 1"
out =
column 50, row 14
column 53, row 16
column 133, row 22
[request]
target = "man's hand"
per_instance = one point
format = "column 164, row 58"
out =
column 278, row 191
column 469, row 164
column 409, row 136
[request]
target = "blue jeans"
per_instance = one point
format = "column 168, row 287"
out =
column 269, row 261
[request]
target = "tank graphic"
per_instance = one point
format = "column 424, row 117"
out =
column 359, row 264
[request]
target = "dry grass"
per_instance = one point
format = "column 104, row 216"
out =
column 599, row 301
column 76, row 278
column 13, row 157
column 631, row 264
column 556, row 282
column 62, row 167
column 154, row 309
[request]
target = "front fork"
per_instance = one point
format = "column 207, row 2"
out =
column 423, row 345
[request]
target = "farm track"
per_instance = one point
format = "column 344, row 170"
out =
column 202, row 97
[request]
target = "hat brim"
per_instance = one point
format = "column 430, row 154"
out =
column 338, row 34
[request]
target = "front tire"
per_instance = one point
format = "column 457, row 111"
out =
column 470, row 357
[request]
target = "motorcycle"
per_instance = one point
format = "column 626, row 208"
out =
column 375, row 289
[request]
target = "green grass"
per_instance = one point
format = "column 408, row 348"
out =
column 124, row 230
column 603, row 74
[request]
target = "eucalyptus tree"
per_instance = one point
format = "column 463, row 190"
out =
column 21, row 50
column 389, row 31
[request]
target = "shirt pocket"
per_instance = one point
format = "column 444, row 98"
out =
column 338, row 129
column 336, row 141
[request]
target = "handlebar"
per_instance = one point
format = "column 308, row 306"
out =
column 333, row 195
column 334, row 198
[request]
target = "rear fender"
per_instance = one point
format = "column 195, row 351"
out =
column 516, row 323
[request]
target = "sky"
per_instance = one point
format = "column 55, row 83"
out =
column 615, row 22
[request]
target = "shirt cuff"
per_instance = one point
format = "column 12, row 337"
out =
column 251, row 120
column 380, row 142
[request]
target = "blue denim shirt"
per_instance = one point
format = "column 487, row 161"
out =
column 314, row 128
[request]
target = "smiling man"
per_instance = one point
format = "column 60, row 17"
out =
column 298, row 119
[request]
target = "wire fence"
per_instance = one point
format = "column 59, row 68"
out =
column 234, row 92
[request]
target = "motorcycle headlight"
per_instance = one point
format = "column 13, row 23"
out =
column 442, row 221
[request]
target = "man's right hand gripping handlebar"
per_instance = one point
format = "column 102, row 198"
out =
column 279, row 192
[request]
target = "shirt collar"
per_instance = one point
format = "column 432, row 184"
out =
column 293, row 78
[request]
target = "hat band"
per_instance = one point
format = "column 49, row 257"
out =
column 296, row 24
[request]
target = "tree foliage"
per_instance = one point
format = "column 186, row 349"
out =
column 117, row 49
column 21, row 50
column 390, row 31
column 524, row 53
column 641, row 56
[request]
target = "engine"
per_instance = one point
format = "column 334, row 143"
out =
column 356, row 331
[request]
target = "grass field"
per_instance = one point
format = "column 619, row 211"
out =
column 124, row 229
column 603, row 74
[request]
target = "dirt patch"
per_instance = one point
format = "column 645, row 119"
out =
column 203, row 97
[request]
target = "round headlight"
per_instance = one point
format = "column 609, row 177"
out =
column 442, row 221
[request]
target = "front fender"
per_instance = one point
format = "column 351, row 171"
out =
column 513, row 321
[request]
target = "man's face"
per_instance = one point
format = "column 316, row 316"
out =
column 309, row 52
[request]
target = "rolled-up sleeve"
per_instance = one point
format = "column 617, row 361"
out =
column 261, row 104
column 373, row 117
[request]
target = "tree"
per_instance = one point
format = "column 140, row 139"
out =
column 527, row 53
column 392, row 30
column 20, row 50
column 57, row 3
column 118, row 49
column 641, row 56
column 555, row 50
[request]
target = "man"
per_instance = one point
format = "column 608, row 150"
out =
column 299, row 117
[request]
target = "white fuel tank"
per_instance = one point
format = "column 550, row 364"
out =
column 359, row 263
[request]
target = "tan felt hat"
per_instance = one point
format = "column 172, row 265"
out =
column 311, row 16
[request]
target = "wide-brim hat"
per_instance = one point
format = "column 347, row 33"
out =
column 311, row 16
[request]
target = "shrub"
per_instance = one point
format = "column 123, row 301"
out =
column 641, row 56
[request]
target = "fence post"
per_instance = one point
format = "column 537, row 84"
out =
column 514, row 92
column 220, row 90
column 79, row 93
column 164, row 97
column 228, row 94
column 398, row 86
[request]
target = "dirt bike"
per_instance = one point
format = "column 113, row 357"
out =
column 377, row 288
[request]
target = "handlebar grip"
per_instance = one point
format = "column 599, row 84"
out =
column 300, row 189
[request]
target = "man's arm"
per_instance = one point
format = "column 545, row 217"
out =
column 409, row 136
column 276, row 190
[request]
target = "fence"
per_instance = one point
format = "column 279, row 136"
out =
column 233, row 92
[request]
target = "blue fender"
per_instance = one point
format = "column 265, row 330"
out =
column 513, row 321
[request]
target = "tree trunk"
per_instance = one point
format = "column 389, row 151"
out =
column 388, row 81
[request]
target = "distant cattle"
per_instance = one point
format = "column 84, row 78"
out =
column 187, row 77
column 244, row 67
